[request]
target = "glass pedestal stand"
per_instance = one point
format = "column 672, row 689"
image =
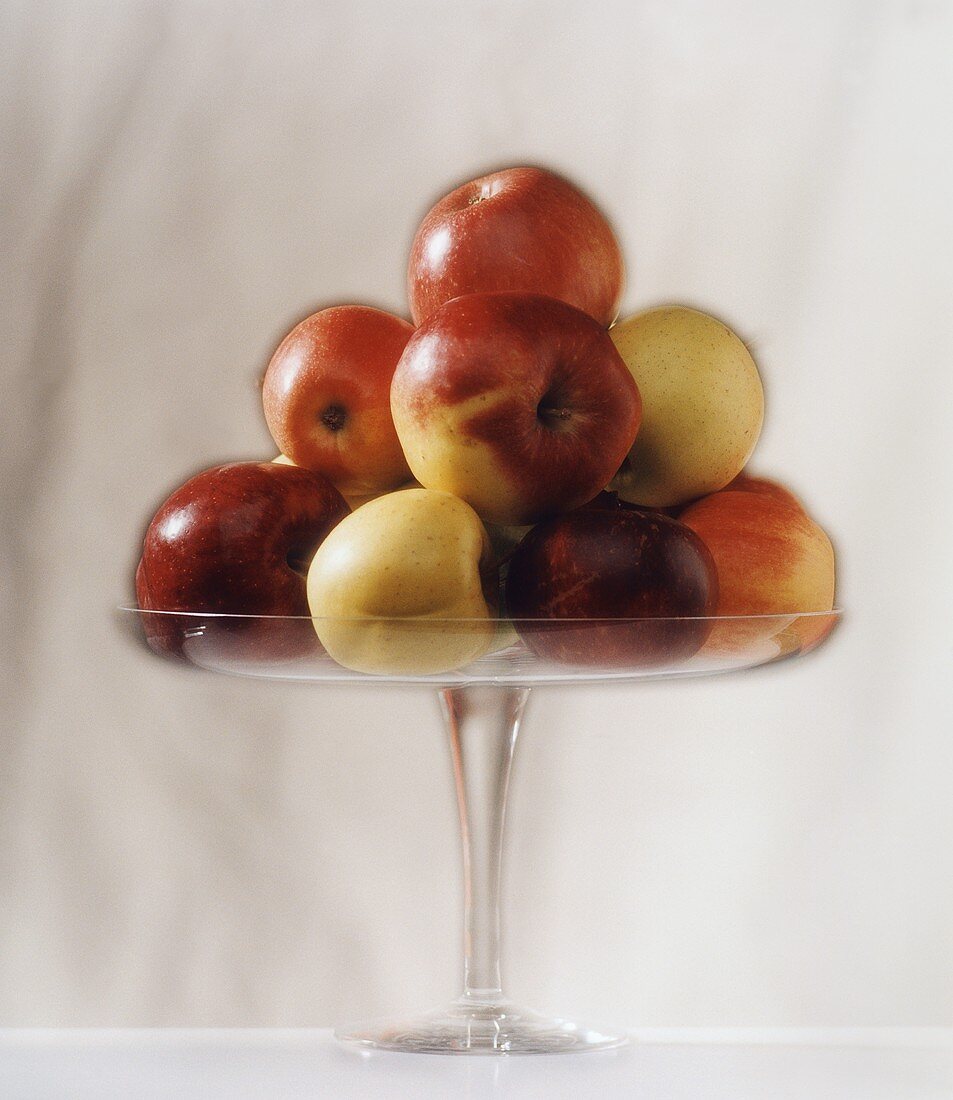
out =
column 483, row 722
column 483, row 706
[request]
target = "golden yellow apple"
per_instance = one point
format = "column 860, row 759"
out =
column 702, row 405
column 405, row 585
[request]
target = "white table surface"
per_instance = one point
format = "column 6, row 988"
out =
column 853, row 1064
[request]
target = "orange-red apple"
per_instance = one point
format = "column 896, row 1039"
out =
column 326, row 396
column 519, row 229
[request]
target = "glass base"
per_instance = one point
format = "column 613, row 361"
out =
column 468, row 1027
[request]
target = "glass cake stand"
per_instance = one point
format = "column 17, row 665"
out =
column 482, row 706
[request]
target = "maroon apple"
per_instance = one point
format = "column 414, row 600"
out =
column 517, row 403
column 518, row 229
column 613, row 587
column 236, row 540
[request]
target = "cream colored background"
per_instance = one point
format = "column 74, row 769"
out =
column 181, row 180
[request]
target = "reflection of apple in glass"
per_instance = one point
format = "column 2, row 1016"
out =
column 237, row 540
column 611, row 562
column 519, row 229
column 516, row 403
column 326, row 396
column 385, row 582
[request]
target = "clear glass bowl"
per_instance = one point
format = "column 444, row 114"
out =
column 483, row 703
column 555, row 651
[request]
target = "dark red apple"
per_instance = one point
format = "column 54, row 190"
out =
column 641, row 578
column 519, row 229
column 516, row 403
column 236, row 540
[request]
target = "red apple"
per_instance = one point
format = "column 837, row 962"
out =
column 326, row 396
column 641, row 577
column 236, row 540
column 516, row 403
column 772, row 560
column 519, row 229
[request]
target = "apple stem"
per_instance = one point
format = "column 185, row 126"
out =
column 549, row 412
column 483, row 723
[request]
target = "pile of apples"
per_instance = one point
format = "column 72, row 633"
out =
column 514, row 454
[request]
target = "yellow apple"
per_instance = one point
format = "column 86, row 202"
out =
column 702, row 406
column 403, row 586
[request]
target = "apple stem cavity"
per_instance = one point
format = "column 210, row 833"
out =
column 487, row 191
column 334, row 418
column 299, row 560
column 553, row 415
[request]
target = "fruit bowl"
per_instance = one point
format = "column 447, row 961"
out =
column 483, row 705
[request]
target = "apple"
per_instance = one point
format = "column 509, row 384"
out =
column 516, row 403
column 772, row 558
column 407, row 584
column 326, row 396
column 703, row 406
column 520, row 229
column 236, row 540
column 642, row 578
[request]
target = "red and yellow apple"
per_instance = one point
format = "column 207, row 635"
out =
column 236, row 540
column 772, row 560
column 612, row 586
column 523, row 230
column 326, row 396
column 518, row 404
column 407, row 584
column 703, row 406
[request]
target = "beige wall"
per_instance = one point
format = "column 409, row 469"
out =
column 181, row 180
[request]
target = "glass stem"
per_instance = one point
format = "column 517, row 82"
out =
column 483, row 722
